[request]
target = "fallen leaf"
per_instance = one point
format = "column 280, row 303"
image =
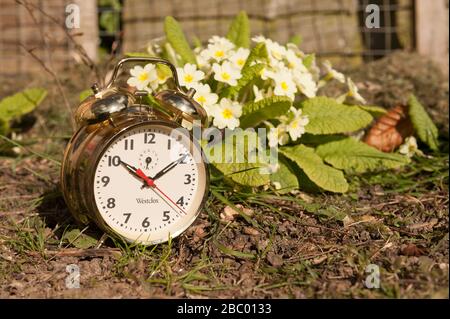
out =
column 251, row 231
column 229, row 213
column 390, row 130
column 412, row 250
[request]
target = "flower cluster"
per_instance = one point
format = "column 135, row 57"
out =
column 287, row 72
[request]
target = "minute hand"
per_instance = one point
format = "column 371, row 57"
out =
column 169, row 167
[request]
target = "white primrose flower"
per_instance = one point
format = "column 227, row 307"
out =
column 189, row 76
column 258, row 93
column 284, row 85
column 353, row 91
column 218, row 49
column 205, row 98
column 295, row 123
column 142, row 76
column 202, row 60
column 409, row 147
column 227, row 114
column 305, row 83
column 275, row 50
column 215, row 39
column 294, row 62
column 239, row 57
column 278, row 135
column 332, row 73
column 226, row 73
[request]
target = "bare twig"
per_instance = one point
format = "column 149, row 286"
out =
column 79, row 48
column 48, row 68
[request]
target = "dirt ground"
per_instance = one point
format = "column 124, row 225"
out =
column 295, row 246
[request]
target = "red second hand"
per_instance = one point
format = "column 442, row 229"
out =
column 151, row 183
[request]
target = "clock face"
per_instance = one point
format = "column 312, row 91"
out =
column 149, row 183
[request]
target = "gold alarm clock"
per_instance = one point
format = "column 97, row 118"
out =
column 131, row 168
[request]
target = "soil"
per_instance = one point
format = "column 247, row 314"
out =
column 296, row 246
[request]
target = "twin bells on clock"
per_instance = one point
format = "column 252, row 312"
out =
column 103, row 176
column 105, row 103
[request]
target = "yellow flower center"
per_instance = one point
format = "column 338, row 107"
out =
column 240, row 62
column 284, row 86
column 219, row 54
column 188, row 78
column 294, row 124
column 201, row 99
column 226, row 76
column 227, row 114
column 143, row 77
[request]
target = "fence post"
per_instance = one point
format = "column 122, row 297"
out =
column 432, row 31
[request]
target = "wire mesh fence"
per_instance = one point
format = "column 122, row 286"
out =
column 332, row 29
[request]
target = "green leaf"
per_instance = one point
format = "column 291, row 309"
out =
column 239, row 31
column 315, row 169
column 254, row 113
column 79, row 239
column 176, row 38
column 138, row 54
column 375, row 111
column 352, row 155
column 296, row 39
column 235, row 158
column 4, row 127
column 308, row 60
column 285, row 177
column 249, row 74
column 19, row 104
column 326, row 116
column 424, row 126
column 259, row 52
column 85, row 94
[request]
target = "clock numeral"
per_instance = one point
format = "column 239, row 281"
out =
column 113, row 160
column 127, row 218
column 188, row 179
column 166, row 216
column 129, row 145
column 169, row 144
column 180, row 201
column 111, row 203
column 145, row 223
column 149, row 138
column 105, row 180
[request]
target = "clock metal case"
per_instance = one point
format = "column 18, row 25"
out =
column 98, row 126
column 85, row 150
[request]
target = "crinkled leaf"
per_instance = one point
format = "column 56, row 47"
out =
column 85, row 94
column 296, row 39
column 238, row 160
column 424, row 126
column 177, row 39
column 138, row 54
column 285, row 177
column 239, row 31
column 259, row 52
column 375, row 111
column 326, row 116
column 316, row 170
column 79, row 239
column 19, row 104
column 352, row 155
column 4, row 127
column 249, row 74
column 254, row 113
column 308, row 60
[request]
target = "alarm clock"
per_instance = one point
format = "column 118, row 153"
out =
column 131, row 168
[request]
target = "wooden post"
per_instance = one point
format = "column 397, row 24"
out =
column 88, row 27
column 432, row 31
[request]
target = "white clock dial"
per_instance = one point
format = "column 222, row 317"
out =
column 149, row 183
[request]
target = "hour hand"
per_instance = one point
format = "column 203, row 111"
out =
column 138, row 172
